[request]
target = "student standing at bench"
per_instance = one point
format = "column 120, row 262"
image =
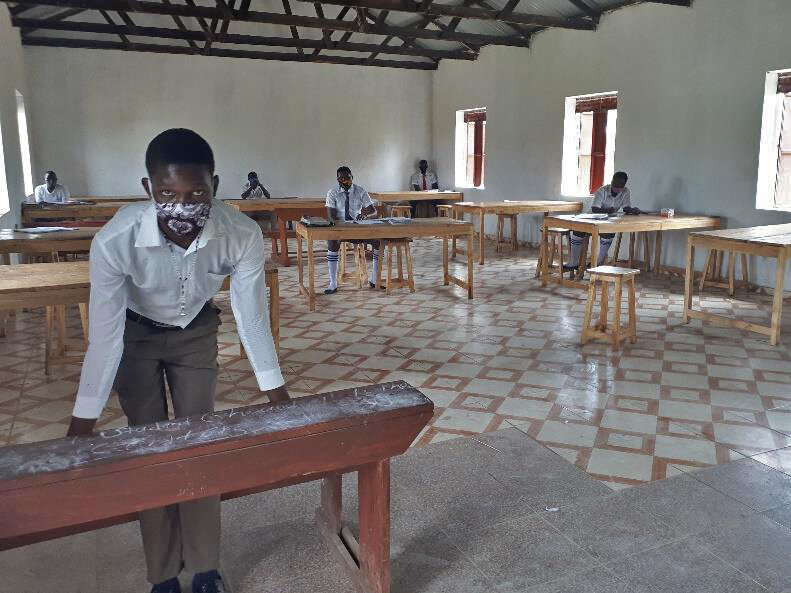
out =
column 51, row 192
column 348, row 201
column 154, row 270
column 608, row 200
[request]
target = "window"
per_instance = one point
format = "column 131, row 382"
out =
column 470, row 147
column 24, row 144
column 774, row 161
column 588, row 143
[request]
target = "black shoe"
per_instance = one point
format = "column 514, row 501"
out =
column 169, row 586
column 330, row 290
column 570, row 268
column 207, row 582
column 373, row 285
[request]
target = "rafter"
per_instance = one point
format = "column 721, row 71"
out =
column 226, row 53
column 328, row 32
column 282, row 19
column 585, row 7
column 110, row 21
column 236, row 38
column 176, row 19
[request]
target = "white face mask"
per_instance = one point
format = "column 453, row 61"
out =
column 184, row 219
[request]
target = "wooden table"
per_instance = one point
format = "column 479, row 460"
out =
column 64, row 486
column 622, row 224
column 390, row 197
column 767, row 241
column 346, row 231
column 284, row 210
column 481, row 209
column 110, row 199
column 12, row 241
column 32, row 213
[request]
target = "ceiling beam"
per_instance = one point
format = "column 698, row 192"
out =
column 110, row 21
column 586, row 8
column 225, row 53
column 470, row 12
column 235, row 38
column 148, row 7
column 518, row 29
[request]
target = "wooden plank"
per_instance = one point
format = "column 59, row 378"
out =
column 415, row 196
column 517, row 207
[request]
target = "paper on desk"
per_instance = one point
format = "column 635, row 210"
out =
column 46, row 229
column 591, row 216
column 371, row 221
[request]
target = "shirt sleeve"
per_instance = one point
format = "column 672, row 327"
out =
column 38, row 195
column 365, row 199
column 107, row 319
column 330, row 202
column 251, row 311
column 627, row 198
column 66, row 193
column 598, row 198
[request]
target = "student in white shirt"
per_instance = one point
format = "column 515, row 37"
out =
column 348, row 201
column 608, row 199
column 51, row 192
column 424, row 180
column 154, row 270
column 253, row 189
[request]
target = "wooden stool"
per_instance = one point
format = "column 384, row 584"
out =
column 555, row 246
column 403, row 211
column 360, row 275
column 57, row 348
column 445, row 211
column 401, row 248
column 501, row 243
column 712, row 271
column 605, row 275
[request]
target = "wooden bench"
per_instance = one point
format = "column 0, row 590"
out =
column 60, row 487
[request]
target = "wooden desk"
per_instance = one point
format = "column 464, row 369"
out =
column 344, row 231
column 481, row 209
column 767, row 241
column 31, row 213
column 283, row 209
column 110, row 199
column 389, row 197
column 12, row 241
column 64, row 486
column 622, row 224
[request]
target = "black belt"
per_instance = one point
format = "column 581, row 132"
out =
column 143, row 320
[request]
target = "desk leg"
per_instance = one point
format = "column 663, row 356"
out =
column 300, row 268
column 445, row 280
column 50, row 320
column 658, row 253
column 777, row 302
column 455, row 216
column 283, row 256
column 594, row 249
column 471, row 265
column 480, row 238
column 689, row 279
column 311, row 276
column 374, row 496
column 544, row 253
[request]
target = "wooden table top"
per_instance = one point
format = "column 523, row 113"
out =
column 274, row 204
column 105, row 209
column 419, row 227
column 774, row 234
column 415, row 196
column 102, row 199
column 516, row 207
column 79, row 239
column 76, row 233
column 629, row 224
column 44, row 277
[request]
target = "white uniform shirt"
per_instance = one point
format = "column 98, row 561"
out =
column 59, row 194
column 256, row 194
column 358, row 199
column 417, row 179
column 133, row 267
column 605, row 199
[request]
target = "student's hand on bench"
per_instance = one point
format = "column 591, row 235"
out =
column 632, row 211
column 80, row 426
column 278, row 394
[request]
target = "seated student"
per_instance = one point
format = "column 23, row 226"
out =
column 348, row 201
column 608, row 200
column 154, row 270
column 253, row 188
column 424, row 180
column 51, row 192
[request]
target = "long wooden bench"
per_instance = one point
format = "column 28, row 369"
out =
column 70, row 485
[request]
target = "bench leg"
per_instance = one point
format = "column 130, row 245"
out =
column 374, row 494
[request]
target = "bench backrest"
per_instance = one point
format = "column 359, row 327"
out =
column 63, row 486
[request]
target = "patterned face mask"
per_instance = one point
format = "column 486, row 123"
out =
column 184, row 219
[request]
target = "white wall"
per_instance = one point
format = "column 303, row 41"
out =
column 690, row 85
column 12, row 78
column 94, row 112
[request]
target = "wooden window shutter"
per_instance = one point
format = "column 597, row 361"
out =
column 784, row 83
column 602, row 103
column 476, row 116
column 598, row 150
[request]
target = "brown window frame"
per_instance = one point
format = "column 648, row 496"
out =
column 478, row 119
column 599, row 106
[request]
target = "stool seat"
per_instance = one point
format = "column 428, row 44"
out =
column 604, row 276
column 613, row 271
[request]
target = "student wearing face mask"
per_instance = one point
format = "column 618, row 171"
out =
column 154, row 270
column 609, row 199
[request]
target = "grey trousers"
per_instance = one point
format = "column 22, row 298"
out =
column 186, row 535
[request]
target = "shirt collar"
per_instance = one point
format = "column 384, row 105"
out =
column 149, row 235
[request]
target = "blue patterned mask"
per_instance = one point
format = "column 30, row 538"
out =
column 183, row 218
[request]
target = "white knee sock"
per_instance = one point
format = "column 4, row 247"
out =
column 332, row 261
column 576, row 248
column 604, row 247
column 375, row 266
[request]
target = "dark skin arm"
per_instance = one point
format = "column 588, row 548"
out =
column 366, row 212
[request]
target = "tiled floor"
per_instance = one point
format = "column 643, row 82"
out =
column 683, row 397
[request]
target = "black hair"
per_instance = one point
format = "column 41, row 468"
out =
column 178, row 146
column 621, row 176
column 344, row 169
column 50, row 173
column 253, row 173
column 423, row 161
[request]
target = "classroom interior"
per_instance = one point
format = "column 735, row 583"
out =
column 656, row 462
